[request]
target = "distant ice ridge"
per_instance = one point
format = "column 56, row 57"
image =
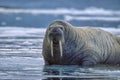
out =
column 37, row 32
column 69, row 18
column 61, row 11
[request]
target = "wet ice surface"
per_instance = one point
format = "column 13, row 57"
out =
column 20, row 58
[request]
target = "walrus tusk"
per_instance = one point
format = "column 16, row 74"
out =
column 51, row 45
column 61, row 51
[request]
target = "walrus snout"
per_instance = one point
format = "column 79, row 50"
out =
column 56, row 38
column 56, row 34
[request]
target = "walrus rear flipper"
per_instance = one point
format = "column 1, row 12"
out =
column 118, row 39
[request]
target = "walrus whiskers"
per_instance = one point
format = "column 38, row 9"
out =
column 61, row 51
column 51, row 45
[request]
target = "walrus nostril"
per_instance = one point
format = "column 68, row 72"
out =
column 55, row 30
column 55, row 33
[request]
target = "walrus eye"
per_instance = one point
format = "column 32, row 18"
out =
column 61, row 28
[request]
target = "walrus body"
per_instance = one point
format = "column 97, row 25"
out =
column 67, row 45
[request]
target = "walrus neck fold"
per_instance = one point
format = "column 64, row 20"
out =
column 70, row 33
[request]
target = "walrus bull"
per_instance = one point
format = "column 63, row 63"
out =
column 67, row 45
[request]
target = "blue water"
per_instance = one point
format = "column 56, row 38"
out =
column 39, row 13
column 22, row 28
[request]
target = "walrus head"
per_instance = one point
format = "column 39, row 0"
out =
column 56, row 38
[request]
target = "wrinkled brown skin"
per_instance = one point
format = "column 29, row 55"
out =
column 86, row 46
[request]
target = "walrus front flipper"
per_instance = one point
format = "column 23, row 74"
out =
column 90, row 58
column 118, row 39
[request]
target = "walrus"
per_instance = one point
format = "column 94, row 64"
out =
column 65, row 44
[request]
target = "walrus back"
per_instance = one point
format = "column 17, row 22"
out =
column 101, row 41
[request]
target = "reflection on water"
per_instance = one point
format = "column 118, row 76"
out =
column 57, row 72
